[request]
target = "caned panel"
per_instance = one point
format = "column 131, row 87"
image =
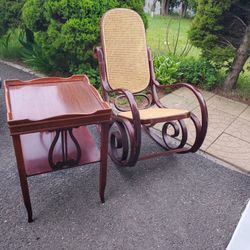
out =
column 125, row 50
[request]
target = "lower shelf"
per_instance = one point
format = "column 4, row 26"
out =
column 36, row 147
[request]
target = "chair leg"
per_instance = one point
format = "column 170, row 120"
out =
column 125, row 143
column 163, row 139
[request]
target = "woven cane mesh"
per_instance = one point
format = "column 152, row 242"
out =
column 125, row 50
column 155, row 113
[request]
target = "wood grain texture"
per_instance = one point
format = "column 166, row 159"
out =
column 48, row 103
column 35, row 148
column 43, row 99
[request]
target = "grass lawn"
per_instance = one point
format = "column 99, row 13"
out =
column 156, row 39
column 157, row 33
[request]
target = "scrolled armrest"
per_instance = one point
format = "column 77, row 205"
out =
column 194, row 90
column 132, row 103
column 201, row 129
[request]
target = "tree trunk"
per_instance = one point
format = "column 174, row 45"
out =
column 183, row 9
column 240, row 59
column 152, row 9
column 164, row 7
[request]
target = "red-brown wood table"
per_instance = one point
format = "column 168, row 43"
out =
column 48, row 120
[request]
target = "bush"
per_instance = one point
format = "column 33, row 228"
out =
column 199, row 72
column 68, row 30
column 170, row 69
column 166, row 69
column 10, row 12
column 211, row 35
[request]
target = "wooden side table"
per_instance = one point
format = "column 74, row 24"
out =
column 47, row 119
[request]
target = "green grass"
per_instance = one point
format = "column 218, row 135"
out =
column 156, row 39
column 157, row 33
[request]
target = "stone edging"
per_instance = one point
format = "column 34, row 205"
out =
column 22, row 68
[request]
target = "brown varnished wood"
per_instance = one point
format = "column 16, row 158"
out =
column 126, row 139
column 44, row 100
column 35, row 148
column 22, row 175
column 39, row 107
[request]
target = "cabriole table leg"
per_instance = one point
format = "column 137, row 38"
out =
column 22, row 175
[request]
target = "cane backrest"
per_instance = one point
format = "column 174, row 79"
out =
column 125, row 50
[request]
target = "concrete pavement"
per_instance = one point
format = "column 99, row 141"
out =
column 228, row 135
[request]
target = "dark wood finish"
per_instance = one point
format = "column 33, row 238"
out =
column 22, row 175
column 50, row 103
column 104, row 158
column 127, row 137
column 38, row 111
column 36, row 156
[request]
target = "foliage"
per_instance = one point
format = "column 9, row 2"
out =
column 10, row 12
column 206, row 29
column 199, row 72
column 32, row 54
column 171, row 69
column 9, row 45
column 92, row 73
column 221, row 30
column 166, row 69
column 68, row 30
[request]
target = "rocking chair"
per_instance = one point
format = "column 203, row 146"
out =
column 126, row 71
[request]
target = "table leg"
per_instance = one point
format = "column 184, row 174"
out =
column 22, row 175
column 103, row 160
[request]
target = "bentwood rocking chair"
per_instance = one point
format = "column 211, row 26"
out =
column 126, row 71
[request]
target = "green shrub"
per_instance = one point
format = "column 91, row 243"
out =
column 171, row 69
column 199, row 72
column 68, row 30
column 10, row 12
column 9, row 45
column 209, row 32
column 166, row 69
column 92, row 73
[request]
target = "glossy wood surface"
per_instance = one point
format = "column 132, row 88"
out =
column 38, row 108
column 46, row 98
column 35, row 149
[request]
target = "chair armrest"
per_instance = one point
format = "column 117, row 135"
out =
column 132, row 104
column 133, row 127
column 194, row 90
column 202, row 128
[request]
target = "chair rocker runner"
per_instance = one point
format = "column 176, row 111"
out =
column 126, row 71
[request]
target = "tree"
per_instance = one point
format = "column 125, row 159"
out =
column 221, row 29
column 165, row 7
column 184, row 5
column 68, row 30
column 10, row 17
column 10, row 12
column 240, row 40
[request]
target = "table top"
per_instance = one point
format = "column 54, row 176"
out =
column 51, row 102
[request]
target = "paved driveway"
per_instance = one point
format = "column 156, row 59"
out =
column 176, row 202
